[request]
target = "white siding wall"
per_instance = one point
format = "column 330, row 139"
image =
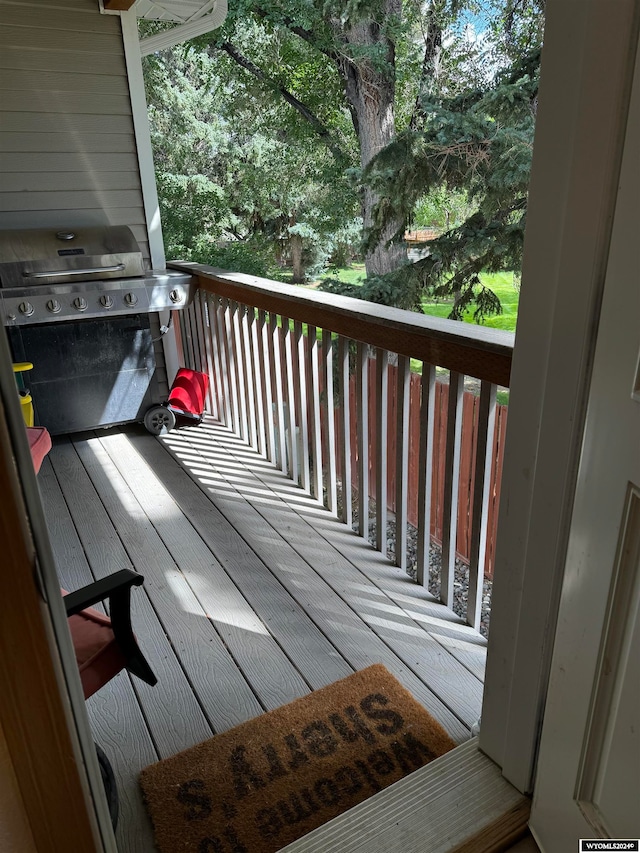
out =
column 67, row 146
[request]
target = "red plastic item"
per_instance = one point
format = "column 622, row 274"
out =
column 98, row 654
column 39, row 445
column 188, row 393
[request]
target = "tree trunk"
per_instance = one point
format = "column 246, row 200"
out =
column 370, row 93
column 295, row 242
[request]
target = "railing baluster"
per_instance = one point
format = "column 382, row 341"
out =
column 240, row 369
column 215, row 377
column 231, row 368
column 402, row 458
column 267, row 395
column 344, row 429
column 179, row 334
column 425, row 472
column 247, row 372
column 192, row 336
column 362, row 415
column 290, row 409
column 382, row 400
column 207, row 326
column 328, row 418
column 225, row 349
column 314, row 411
column 202, row 337
column 300, row 379
column 276, row 376
column 481, row 496
column 223, row 355
column 451, row 485
column 184, row 334
column 196, row 326
column 188, row 338
column 204, row 344
column 185, row 331
column 258, row 395
column 235, row 371
column 207, row 323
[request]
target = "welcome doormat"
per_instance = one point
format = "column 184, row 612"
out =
column 263, row 784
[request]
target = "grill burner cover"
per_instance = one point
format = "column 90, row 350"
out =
column 44, row 256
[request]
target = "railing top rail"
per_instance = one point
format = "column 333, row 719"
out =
column 473, row 350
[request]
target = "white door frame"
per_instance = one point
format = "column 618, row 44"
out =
column 587, row 67
column 588, row 775
column 32, row 600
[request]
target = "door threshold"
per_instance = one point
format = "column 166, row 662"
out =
column 459, row 803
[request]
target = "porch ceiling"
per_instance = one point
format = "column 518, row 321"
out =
column 191, row 18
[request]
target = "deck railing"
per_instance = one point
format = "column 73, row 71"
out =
column 291, row 368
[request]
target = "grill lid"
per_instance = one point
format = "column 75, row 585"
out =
column 49, row 256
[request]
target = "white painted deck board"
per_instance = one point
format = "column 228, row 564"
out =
column 458, row 688
column 245, row 561
column 352, row 636
column 222, row 690
column 224, row 694
column 119, row 726
column 418, row 603
column 233, row 573
column 116, row 707
column 172, row 711
column 245, row 635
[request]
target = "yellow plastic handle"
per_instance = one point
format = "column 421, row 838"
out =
column 20, row 366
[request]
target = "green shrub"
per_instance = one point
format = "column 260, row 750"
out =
column 250, row 257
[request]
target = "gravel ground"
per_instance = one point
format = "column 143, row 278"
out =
column 461, row 574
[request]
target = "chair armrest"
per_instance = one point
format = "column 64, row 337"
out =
column 115, row 586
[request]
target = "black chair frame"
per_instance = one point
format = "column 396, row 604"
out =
column 116, row 589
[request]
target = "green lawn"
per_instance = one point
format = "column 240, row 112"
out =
column 502, row 285
column 352, row 275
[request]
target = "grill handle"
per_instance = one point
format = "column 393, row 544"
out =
column 65, row 273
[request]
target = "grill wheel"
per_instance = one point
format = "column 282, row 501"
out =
column 159, row 420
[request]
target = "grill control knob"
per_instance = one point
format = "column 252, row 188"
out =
column 130, row 299
column 176, row 295
column 26, row 308
column 80, row 303
column 54, row 306
column 106, row 301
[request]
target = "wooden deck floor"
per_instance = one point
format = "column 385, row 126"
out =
column 254, row 595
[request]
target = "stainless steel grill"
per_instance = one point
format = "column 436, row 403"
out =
column 48, row 276
column 79, row 305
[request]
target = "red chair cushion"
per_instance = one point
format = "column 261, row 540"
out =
column 189, row 391
column 97, row 653
column 39, row 445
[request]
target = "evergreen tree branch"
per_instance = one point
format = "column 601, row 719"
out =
column 323, row 132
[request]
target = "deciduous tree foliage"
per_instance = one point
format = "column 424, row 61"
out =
column 316, row 106
column 229, row 174
column 367, row 48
